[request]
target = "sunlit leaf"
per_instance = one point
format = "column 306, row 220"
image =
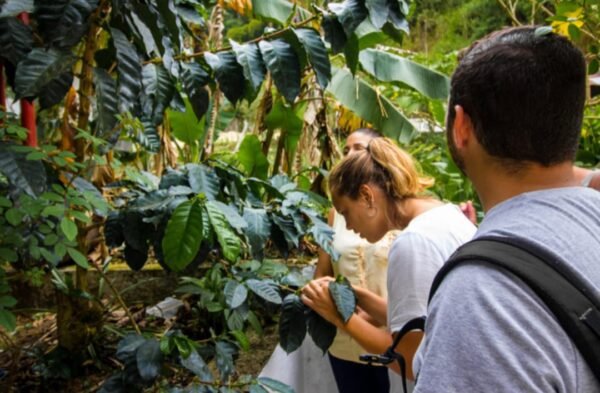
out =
column 229, row 242
column 183, row 235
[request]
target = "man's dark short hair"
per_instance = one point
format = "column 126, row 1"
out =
column 524, row 92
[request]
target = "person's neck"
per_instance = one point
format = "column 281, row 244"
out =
column 496, row 185
column 410, row 208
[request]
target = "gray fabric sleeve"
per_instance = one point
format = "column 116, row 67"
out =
column 413, row 262
column 487, row 332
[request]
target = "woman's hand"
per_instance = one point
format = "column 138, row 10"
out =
column 316, row 295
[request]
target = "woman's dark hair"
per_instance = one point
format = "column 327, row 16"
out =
column 524, row 91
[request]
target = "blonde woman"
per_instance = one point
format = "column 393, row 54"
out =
column 377, row 190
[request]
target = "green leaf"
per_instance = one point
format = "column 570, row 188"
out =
column 350, row 14
column 64, row 22
column 323, row 235
column 38, row 69
column 184, row 347
column 317, row 54
column 287, row 119
column 343, row 296
column 273, row 10
column 284, row 66
column 228, row 73
column 292, row 324
column 149, row 360
column 54, row 210
column 224, row 358
column 258, row 231
column 252, row 158
column 378, row 12
column 78, row 257
column 16, row 40
column 351, row 51
column 230, row 243
column 194, row 80
column 202, row 179
column 248, row 56
column 168, row 14
column 397, row 16
column 255, row 323
column 256, row 388
column 15, row 7
column 235, row 294
column 69, row 228
column 54, row 92
column 7, row 301
column 334, row 33
column 158, row 91
column 234, row 218
column 186, row 126
column 81, row 216
column 183, row 235
column 242, row 339
column 5, row 202
column 8, row 255
column 366, row 102
column 8, row 320
column 198, row 366
column 391, row 68
column 265, row 289
column 321, row 331
column 288, row 229
column 14, row 216
column 129, row 69
column 274, row 385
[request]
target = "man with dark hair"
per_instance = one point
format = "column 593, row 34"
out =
column 515, row 113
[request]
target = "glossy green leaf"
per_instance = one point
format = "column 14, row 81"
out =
column 251, row 157
column 273, row 10
column 78, row 257
column 38, row 69
column 323, row 236
column 321, row 331
column 378, row 12
column 258, row 231
column 317, row 54
column 350, row 14
column 351, row 52
column 202, row 179
column 185, row 125
column 158, row 91
column 249, row 57
column 149, row 360
column 107, row 104
column 129, row 69
column 388, row 67
column 234, row 218
column 224, row 358
column 183, row 235
column 283, row 64
column 292, row 323
column 194, row 79
column 168, row 14
column 235, row 293
column 334, row 33
column 343, row 296
column 274, row 385
column 366, row 102
column 26, row 176
column 228, row 73
column 63, row 23
column 16, row 40
column 265, row 290
column 69, row 228
column 198, row 366
column 8, row 320
column 230, row 243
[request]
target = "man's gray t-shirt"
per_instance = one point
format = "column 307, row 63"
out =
column 486, row 331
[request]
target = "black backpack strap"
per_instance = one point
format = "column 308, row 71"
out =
column 577, row 311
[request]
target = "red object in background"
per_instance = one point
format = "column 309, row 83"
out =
column 27, row 108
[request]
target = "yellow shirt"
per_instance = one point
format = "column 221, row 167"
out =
column 365, row 265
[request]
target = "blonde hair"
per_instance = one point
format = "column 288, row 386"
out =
column 383, row 164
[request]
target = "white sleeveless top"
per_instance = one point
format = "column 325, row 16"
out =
column 365, row 265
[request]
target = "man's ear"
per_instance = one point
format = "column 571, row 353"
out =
column 462, row 129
